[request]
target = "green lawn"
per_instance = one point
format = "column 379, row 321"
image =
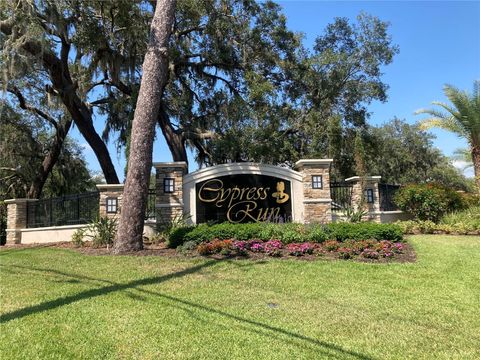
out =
column 59, row 304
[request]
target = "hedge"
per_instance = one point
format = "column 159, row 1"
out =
column 287, row 233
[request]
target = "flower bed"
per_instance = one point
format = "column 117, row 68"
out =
column 366, row 249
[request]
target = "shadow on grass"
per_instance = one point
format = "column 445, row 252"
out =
column 88, row 294
column 269, row 331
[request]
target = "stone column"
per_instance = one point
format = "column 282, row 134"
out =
column 113, row 194
column 371, row 184
column 316, row 190
column 16, row 219
column 169, row 188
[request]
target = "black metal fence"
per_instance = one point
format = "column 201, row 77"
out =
column 387, row 193
column 341, row 194
column 150, row 212
column 64, row 210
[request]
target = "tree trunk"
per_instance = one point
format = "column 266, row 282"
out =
column 49, row 161
column 476, row 165
column 155, row 67
column 83, row 119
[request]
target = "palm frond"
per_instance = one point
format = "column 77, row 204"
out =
column 448, row 124
column 462, row 116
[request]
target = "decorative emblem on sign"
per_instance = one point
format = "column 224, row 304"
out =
column 280, row 195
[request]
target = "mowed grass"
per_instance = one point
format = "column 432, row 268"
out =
column 59, row 304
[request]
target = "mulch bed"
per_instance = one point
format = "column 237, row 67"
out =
column 407, row 256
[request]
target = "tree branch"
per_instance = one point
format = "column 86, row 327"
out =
column 23, row 104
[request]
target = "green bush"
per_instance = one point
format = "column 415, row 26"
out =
column 102, row 231
column 460, row 222
column 177, row 236
column 470, row 218
column 428, row 201
column 78, row 236
column 364, row 231
column 286, row 233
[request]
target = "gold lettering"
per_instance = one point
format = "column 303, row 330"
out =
column 235, row 195
column 225, row 194
column 215, row 190
column 265, row 193
column 251, row 193
column 233, row 213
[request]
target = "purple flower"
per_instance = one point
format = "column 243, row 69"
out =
column 257, row 247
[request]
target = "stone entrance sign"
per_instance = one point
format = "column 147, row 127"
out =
column 244, row 198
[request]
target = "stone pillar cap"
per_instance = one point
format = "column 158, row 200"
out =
column 312, row 162
column 368, row 178
column 182, row 164
column 19, row 201
column 103, row 187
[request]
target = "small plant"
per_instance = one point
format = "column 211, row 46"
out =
column 186, row 247
column 354, row 216
column 102, row 231
column 331, row 245
column 77, row 237
column 300, row 249
column 257, row 246
column 272, row 248
column 345, row 253
column 216, row 246
column 158, row 238
column 370, row 254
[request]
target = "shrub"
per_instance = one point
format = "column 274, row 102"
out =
column 179, row 235
column 215, row 247
column 272, row 248
column 364, row 231
column 317, row 234
column 370, row 254
column 354, row 216
column 102, row 231
column 459, row 222
column 470, row 218
column 286, row 233
column 77, row 237
column 345, row 253
column 188, row 246
column 300, row 249
column 428, row 201
column 331, row 245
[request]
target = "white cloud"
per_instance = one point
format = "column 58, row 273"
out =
column 462, row 166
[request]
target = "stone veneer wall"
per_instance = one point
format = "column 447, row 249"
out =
column 110, row 191
column 16, row 219
column 371, row 182
column 316, row 202
column 169, row 206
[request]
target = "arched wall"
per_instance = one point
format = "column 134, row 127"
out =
column 190, row 180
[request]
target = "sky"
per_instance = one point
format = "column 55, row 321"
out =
column 439, row 44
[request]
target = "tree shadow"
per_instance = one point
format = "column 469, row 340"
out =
column 270, row 331
column 330, row 350
column 88, row 294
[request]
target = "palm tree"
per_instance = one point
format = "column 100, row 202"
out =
column 462, row 117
